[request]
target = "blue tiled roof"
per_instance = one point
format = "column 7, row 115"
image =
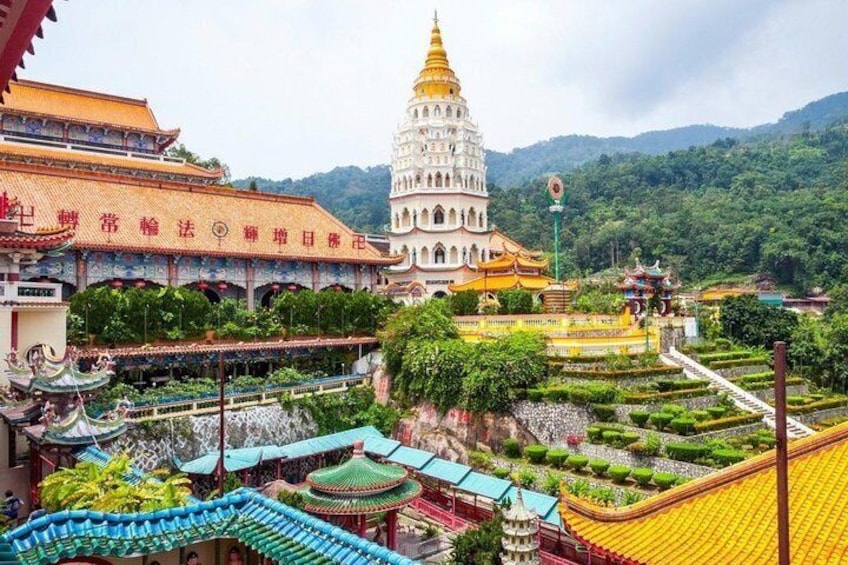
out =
column 282, row 533
column 381, row 446
column 410, row 457
column 445, row 470
column 541, row 504
column 484, row 485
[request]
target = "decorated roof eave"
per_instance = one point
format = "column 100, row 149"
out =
column 340, row 505
column 167, row 134
column 460, row 229
column 44, row 242
column 57, row 434
column 424, row 191
column 19, row 33
column 420, row 269
column 80, row 382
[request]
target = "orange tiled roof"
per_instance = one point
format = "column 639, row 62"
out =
column 731, row 516
column 494, row 283
column 93, row 203
column 52, row 155
column 509, row 260
column 73, row 104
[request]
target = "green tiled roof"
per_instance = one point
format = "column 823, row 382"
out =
column 280, row 532
column 325, row 503
column 63, row 378
column 78, row 428
column 358, row 475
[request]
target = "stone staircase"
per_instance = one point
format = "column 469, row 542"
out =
column 741, row 398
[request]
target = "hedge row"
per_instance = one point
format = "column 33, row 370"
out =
column 593, row 393
column 791, row 381
column 634, row 373
column 738, row 363
column 707, row 358
column 729, row 422
column 765, row 376
column 817, row 405
column 652, row 397
column 666, row 385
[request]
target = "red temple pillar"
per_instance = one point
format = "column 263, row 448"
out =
column 249, row 282
column 363, row 523
column 14, row 331
column 391, row 525
column 315, row 277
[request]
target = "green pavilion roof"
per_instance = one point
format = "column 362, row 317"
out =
column 357, row 476
column 336, row 504
column 78, row 428
column 61, row 378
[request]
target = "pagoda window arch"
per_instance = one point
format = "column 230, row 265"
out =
column 439, row 255
column 482, row 219
column 454, row 255
column 447, row 180
column 415, row 114
column 437, row 111
column 430, row 181
column 452, row 217
column 458, row 113
column 417, row 180
column 438, row 180
column 464, row 255
column 475, row 254
column 462, row 217
column 425, row 217
column 405, row 251
column 425, row 112
column 465, row 180
column 448, row 112
column 397, row 220
column 405, row 219
column 472, row 218
column 438, row 216
column 425, row 255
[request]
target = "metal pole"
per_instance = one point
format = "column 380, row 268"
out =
column 782, row 453
column 556, row 242
column 221, row 431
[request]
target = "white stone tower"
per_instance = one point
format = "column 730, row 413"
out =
column 520, row 539
column 439, row 203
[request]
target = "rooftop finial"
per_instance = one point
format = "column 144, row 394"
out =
column 436, row 17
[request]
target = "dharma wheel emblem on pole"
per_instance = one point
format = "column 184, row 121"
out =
column 556, row 190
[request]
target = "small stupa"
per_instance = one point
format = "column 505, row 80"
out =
column 520, row 535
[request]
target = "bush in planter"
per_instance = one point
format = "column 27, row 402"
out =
column 594, row 434
column 599, row 466
column 501, row 472
column 577, row 462
column 535, row 394
column 535, row 453
column 683, row 426
column 797, row 400
column 628, row 438
column 604, row 412
column 640, row 417
column 611, row 437
column 642, row 475
column 674, row 409
column 683, row 451
column 700, row 415
column 556, row 457
column 661, row 419
column 725, row 457
column 716, row 412
column 665, row 480
column 619, row 473
column 511, row 448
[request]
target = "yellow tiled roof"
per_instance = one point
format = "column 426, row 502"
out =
column 70, row 103
column 51, row 154
column 731, row 516
column 509, row 260
column 237, row 216
column 494, row 283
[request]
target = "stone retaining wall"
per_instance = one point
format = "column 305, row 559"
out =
column 767, row 394
column 745, row 370
column 820, row 415
column 697, row 438
column 658, row 464
column 622, row 411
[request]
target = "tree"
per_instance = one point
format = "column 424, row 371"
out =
column 746, row 320
column 516, row 301
column 481, row 545
column 464, row 303
column 212, row 163
column 429, row 321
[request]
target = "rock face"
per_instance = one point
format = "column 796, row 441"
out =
column 451, row 435
column 154, row 444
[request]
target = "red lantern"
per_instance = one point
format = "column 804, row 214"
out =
column 140, row 284
column 116, row 283
column 222, row 285
column 292, row 287
column 202, row 285
column 275, row 287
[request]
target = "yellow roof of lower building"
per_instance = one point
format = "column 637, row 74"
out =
column 731, row 516
column 495, row 283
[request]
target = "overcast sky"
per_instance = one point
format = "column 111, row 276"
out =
column 287, row 88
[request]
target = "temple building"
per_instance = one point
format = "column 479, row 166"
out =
column 645, row 285
column 96, row 163
column 508, row 271
column 438, row 198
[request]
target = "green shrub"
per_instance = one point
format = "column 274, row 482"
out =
column 818, row 405
column 727, row 356
column 665, row 480
column 674, row 409
column 642, row 475
column 700, row 415
column 732, row 363
column 726, row 457
column 723, row 344
column 653, row 397
column 556, row 394
column 619, row 473
column 535, row 453
column 577, row 462
column 628, row 438
column 511, row 448
column 604, row 412
column 661, row 419
column 620, row 374
column 729, row 422
column 594, row 434
column 556, row 457
column 669, row 385
column 527, row 478
column 480, row 460
column 817, row 396
column 682, row 451
column 611, row 437
column 599, row 466
column 535, row 394
column 683, row 426
column 640, row 417
column 797, row 400
column 716, row 412
column 501, row 472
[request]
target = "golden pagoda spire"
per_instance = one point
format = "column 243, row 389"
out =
column 436, row 78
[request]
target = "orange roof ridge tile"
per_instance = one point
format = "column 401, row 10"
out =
column 80, row 91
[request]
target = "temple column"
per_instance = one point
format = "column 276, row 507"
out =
column 249, row 280
column 391, row 525
column 173, row 278
column 357, row 277
column 82, row 270
column 13, row 447
column 14, row 330
column 315, row 277
column 363, row 524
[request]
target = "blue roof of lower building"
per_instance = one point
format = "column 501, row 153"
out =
column 410, row 457
column 284, row 534
column 541, row 504
column 445, row 470
column 484, row 485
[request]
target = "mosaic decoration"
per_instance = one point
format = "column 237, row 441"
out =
column 107, row 266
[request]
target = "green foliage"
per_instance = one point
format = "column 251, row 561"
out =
column 232, row 482
column 480, row 460
column 535, row 453
column 464, row 303
column 594, row 433
column 651, row 446
column 599, row 466
column 604, row 412
column 551, row 484
column 511, row 448
column 630, row 497
column 577, row 462
column 726, row 457
column 598, row 301
column 611, row 437
column 618, row 473
column 639, row 417
column 642, row 475
column 480, row 545
column 501, row 472
column 527, row 477
column 628, row 438
column 430, row 321
column 665, row 480
column 516, row 301
column 682, row 451
column 700, row 415
column 683, row 426
column 748, row 321
column 435, row 371
column 661, row 419
column 557, row 457
column 338, row 412
column 727, row 422
column 716, row 412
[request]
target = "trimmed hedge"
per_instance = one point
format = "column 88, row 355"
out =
column 594, row 433
column 716, row 412
column 535, row 394
column 535, row 453
column 727, row 356
column 790, row 381
column 665, row 480
column 652, row 397
column 611, row 436
column 729, row 422
column 599, row 466
column 798, row 400
column 511, row 448
column 604, row 412
column 619, row 473
column 634, row 373
column 556, row 457
column 716, row 365
column 577, row 462
column 817, row 405
column 642, row 475
column 675, row 409
column 683, row 451
column 726, row 457
column 765, row 376
column 501, row 473
column 629, row 437
column 666, row 385
column 661, row 419
column 640, row 417
column 592, row 393
column 700, row 415
column 684, row 426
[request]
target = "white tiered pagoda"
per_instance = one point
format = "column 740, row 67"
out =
column 439, row 203
column 520, row 538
